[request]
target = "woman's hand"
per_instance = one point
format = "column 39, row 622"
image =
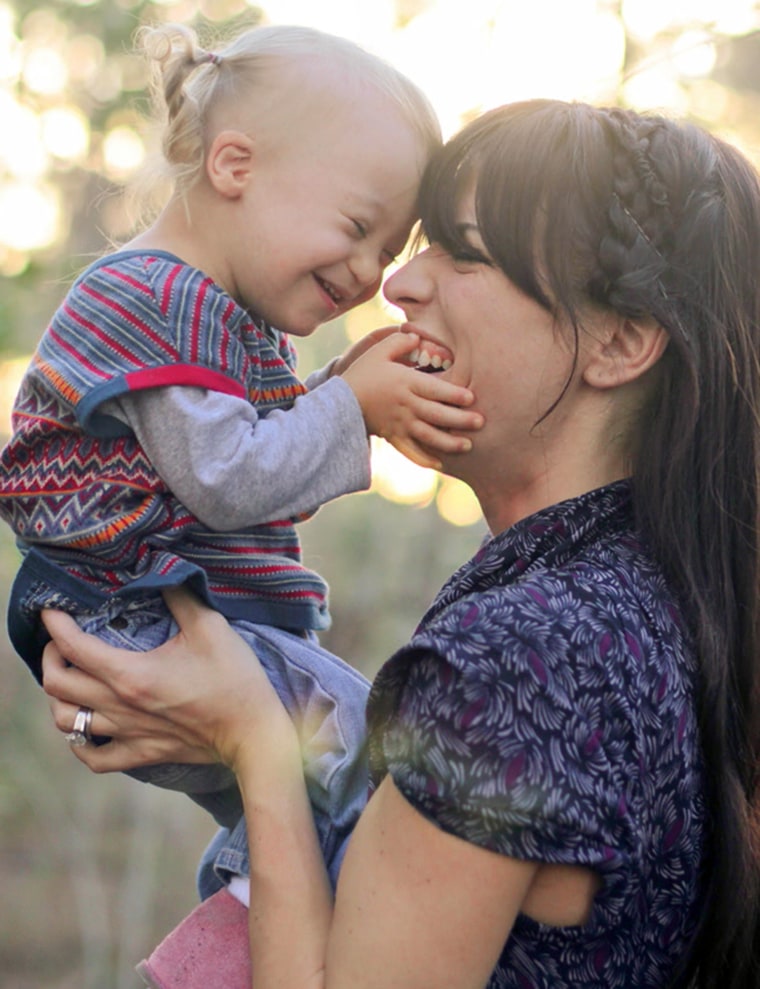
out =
column 130, row 737
column 200, row 697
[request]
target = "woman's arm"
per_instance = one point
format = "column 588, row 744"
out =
column 418, row 907
column 415, row 906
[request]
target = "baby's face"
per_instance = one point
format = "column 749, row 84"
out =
column 326, row 210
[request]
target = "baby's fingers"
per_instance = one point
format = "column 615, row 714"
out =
column 435, row 388
column 446, row 416
column 438, row 440
column 412, row 451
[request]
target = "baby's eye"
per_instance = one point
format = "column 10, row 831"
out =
column 388, row 258
column 360, row 228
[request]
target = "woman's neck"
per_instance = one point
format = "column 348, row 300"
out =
column 554, row 473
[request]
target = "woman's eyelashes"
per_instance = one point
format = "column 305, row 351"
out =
column 469, row 255
column 460, row 251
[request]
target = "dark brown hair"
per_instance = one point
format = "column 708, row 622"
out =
column 583, row 206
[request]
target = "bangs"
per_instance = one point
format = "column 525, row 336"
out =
column 444, row 185
column 537, row 199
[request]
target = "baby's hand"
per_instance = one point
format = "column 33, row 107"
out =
column 362, row 345
column 416, row 412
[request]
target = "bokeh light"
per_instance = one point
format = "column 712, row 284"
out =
column 29, row 215
column 70, row 103
column 65, row 133
column 457, row 503
column 45, row 71
column 397, row 478
column 23, row 156
column 123, row 152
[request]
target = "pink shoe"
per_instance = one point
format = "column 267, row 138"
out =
column 208, row 950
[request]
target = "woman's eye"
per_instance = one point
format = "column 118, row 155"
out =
column 470, row 257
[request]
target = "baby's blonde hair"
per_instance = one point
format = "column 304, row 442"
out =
column 190, row 83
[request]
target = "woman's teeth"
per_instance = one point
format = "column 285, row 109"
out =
column 425, row 361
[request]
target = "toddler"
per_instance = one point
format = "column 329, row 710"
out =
column 161, row 435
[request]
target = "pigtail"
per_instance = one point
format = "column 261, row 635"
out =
column 180, row 95
column 188, row 82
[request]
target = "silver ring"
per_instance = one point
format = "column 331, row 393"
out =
column 80, row 733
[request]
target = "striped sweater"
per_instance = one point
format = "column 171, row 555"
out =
column 90, row 513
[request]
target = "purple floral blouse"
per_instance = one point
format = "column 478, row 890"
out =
column 544, row 709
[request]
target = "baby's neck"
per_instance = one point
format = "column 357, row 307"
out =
column 172, row 233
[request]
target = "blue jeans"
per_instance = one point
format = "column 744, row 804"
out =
column 326, row 699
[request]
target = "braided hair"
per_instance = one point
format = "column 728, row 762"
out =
column 588, row 209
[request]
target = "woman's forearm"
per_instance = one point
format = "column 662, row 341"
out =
column 290, row 897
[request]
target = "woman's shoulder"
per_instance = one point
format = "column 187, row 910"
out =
column 599, row 636
column 607, row 601
column 570, row 610
column 533, row 701
column 574, row 565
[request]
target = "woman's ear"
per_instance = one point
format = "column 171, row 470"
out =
column 229, row 163
column 623, row 350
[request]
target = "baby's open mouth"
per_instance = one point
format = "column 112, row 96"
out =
column 335, row 294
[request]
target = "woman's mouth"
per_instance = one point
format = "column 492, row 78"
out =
column 430, row 357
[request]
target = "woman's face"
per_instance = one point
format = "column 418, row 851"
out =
column 505, row 347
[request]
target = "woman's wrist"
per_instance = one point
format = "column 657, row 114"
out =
column 261, row 738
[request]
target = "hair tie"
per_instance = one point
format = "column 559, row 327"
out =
column 212, row 57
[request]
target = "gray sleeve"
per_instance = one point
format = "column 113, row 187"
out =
column 321, row 375
column 232, row 468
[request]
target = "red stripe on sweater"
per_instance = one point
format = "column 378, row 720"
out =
column 197, row 320
column 129, row 280
column 262, row 592
column 131, row 318
column 168, row 286
column 76, row 354
column 271, row 550
column 184, row 374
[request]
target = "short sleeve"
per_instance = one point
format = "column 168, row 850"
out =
column 503, row 752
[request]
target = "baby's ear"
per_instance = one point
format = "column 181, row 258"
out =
column 229, row 163
column 623, row 350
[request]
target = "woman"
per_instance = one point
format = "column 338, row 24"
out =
column 564, row 756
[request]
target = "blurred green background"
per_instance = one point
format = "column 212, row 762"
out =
column 95, row 870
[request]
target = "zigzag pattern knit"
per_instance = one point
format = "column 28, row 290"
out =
column 79, row 491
